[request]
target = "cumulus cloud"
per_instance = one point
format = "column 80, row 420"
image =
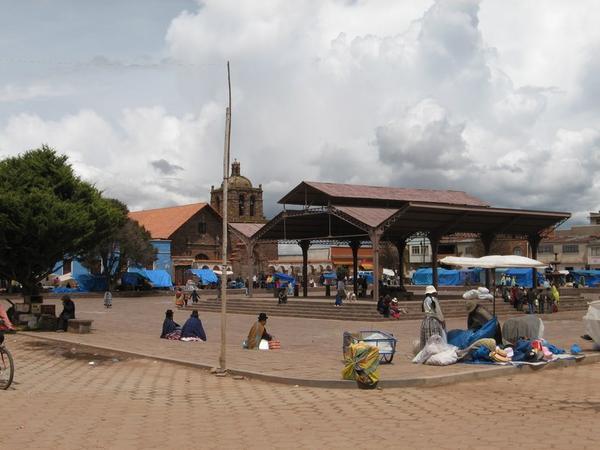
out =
column 442, row 94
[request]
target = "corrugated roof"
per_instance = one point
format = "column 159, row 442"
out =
column 247, row 229
column 368, row 216
column 382, row 193
column 163, row 222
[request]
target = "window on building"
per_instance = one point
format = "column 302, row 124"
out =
column 415, row 250
column 546, row 248
column 202, row 227
column 570, row 248
column 67, row 266
column 447, row 249
column 201, row 256
column 517, row 251
column 595, row 251
column 219, row 204
column 242, row 205
column 469, row 250
column 252, row 201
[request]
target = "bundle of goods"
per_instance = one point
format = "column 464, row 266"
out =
column 274, row 345
column 362, row 365
column 481, row 293
column 592, row 321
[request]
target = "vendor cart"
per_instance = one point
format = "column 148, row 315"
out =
column 385, row 342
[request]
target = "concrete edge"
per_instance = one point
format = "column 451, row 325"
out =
column 425, row 381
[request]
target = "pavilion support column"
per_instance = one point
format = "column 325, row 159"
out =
column 375, row 237
column 487, row 239
column 534, row 241
column 250, row 255
column 401, row 246
column 355, row 245
column 304, row 244
column 434, row 240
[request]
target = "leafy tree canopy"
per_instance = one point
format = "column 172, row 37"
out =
column 129, row 245
column 47, row 213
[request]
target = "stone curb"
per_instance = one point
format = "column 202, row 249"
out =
column 424, row 381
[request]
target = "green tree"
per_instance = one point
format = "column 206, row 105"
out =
column 47, row 213
column 129, row 245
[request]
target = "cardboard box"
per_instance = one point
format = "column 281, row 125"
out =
column 36, row 308
column 25, row 318
column 49, row 309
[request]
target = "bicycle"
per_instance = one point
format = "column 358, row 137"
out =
column 7, row 367
column 7, row 364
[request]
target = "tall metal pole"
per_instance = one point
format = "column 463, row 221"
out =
column 222, row 356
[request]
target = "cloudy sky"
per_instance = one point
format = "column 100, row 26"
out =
column 500, row 98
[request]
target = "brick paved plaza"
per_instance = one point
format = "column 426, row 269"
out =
column 59, row 400
column 311, row 349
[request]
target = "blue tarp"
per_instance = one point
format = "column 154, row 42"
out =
column 133, row 279
column 91, row 283
column 159, row 278
column 206, row 276
column 446, row 277
column 523, row 277
column 330, row 275
column 464, row 338
column 368, row 275
column 592, row 277
column 284, row 277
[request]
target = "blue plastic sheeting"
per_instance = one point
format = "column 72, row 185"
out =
column 284, row 277
column 330, row 275
column 91, row 283
column 158, row 278
column 368, row 275
column 446, row 277
column 523, row 277
column 133, row 278
column 206, row 276
column 65, row 290
column 464, row 338
column 592, row 277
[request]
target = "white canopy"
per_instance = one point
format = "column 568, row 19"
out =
column 389, row 272
column 494, row 262
column 218, row 272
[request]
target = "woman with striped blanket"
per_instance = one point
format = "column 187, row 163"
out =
column 434, row 322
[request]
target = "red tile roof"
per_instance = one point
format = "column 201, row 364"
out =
column 163, row 222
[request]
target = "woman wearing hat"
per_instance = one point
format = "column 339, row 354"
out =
column 258, row 332
column 433, row 323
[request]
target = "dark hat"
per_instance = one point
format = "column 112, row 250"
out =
column 262, row 316
column 195, row 313
column 169, row 312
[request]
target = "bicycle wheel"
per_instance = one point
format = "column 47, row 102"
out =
column 7, row 368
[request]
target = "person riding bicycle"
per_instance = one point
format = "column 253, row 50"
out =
column 5, row 324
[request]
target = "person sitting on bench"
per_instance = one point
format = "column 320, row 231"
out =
column 67, row 313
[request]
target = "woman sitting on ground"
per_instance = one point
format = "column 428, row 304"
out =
column 170, row 329
column 257, row 333
column 192, row 329
column 395, row 310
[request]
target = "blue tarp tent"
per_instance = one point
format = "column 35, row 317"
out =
column 592, row 277
column 284, row 277
column 446, row 277
column 206, row 276
column 523, row 277
column 159, row 278
column 133, row 279
column 367, row 274
column 91, row 283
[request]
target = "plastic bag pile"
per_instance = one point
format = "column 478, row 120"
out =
column 481, row 293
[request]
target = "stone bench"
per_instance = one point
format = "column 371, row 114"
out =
column 80, row 326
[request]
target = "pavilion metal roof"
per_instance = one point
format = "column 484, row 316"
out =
column 352, row 222
column 313, row 193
